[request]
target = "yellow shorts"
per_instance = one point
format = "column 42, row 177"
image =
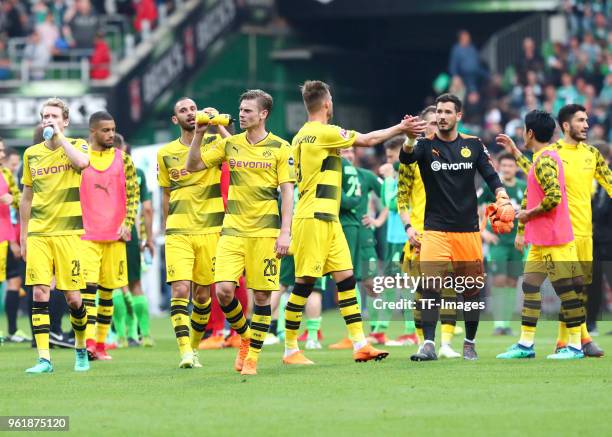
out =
column 558, row 262
column 584, row 250
column 253, row 256
column 58, row 256
column 4, row 247
column 319, row 248
column 104, row 263
column 191, row 258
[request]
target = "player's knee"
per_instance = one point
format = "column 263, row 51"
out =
column 202, row 294
column 224, row 292
column 261, row 298
column 73, row 300
column 180, row 289
column 347, row 284
column 40, row 294
column 499, row 281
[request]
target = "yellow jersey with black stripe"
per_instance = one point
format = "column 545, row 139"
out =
column 56, row 203
column 316, row 149
column 196, row 205
column 582, row 164
column 411, row 195
column 256, row 171
column 13, row 189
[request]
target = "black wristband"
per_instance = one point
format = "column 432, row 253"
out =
column 408, row 226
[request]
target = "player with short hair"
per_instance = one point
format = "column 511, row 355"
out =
column 110, row 179
column 547, row 227
column 254, row 235
column 503, row 260
column 411, row 204
column 582, row 165
column 193, row 213
column 319, row 245
column 51, row 225
column 448, row 162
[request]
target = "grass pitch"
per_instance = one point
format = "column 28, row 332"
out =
column 142, row 391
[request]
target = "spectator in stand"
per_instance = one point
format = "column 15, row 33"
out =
column 37, row 55
column 605, row 96
column 530, row 62
column 473, row 110
column 59, row 9
column 146, row 11
column 600, row 30
column 14, row 19
column 457, row 87
column 48, row 31
column 81, row 25
column 567, row 93
column 465, row 61
column 100, row 59
column 5, row 62
column 590, row 48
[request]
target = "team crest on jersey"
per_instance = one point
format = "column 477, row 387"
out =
column 290, row 160
column 267, row 153
column 465, row 152
column 344, row 134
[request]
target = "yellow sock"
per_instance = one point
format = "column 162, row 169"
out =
column 78, row 320
column 89, row 300
column 199, row 319
column 527, row 335
column 447, row 334
column 180, row 322
column 235, row 317
column 349, row 308
column 419, row 333
column 562, row 335
column 40, row 326
column 584, row 333
column 575, row 335
column 293, row 313
column 260, row 323
column 105, row 313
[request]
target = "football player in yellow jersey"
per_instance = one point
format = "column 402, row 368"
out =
column 319, row 245
column 411, row 204
column 51, row 223
column 254, row 237
column 582, row 164
column 110, row 179
column 192, row 209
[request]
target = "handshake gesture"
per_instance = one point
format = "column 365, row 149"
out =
column 412, row 126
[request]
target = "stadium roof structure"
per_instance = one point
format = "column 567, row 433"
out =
column 308, row 9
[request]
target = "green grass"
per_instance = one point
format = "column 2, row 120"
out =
column 142, row 391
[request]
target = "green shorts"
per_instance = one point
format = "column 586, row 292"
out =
column 352, row 238
column 132, row 249
column 504, row 259
column 392, row 261
column 368, row 261
column 287, row 275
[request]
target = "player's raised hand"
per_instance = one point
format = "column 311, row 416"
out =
column 281, row 247
column 413, row 126
column 508, row 144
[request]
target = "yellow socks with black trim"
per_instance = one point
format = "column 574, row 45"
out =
column 78, row 320
column 89, row 300
column 105, row 314
column 199, row 319
column 179, row 315
column 40, row 328
column 260, row 323
column 574, row 314
column 532, row 305
column 349, row 308
column 293, row 315
column 235, row 317
column 562, row 333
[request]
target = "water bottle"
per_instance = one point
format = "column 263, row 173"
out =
column 148, row 257
column 213, row 119
column 48, row 133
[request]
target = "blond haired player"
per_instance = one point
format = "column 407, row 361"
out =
column 51, row 225
column 319, row 244
column 192, row 208
column 254, row 235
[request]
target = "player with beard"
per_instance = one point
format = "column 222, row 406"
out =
column 193, row 213
column 451, row 241
column 109, row 180
column 582, row 164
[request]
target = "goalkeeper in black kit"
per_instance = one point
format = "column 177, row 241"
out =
column 451, row 248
